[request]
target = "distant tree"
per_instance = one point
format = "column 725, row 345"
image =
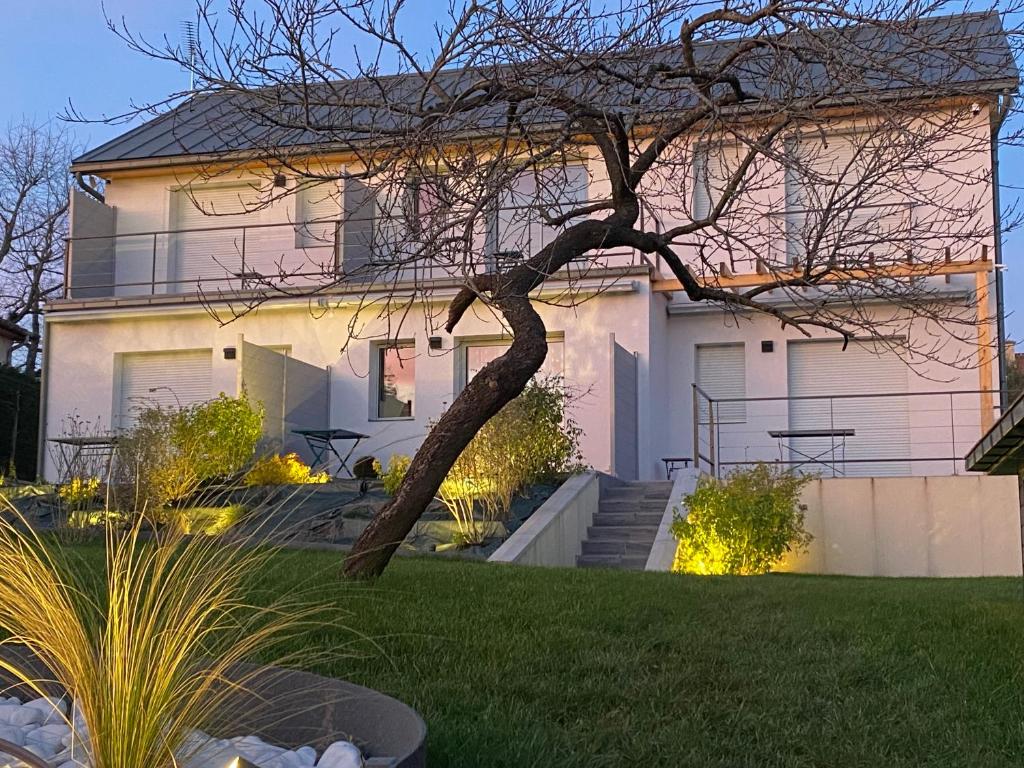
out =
column 34, row 161
column 703, row 126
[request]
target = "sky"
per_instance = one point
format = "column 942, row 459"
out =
column 60, row 52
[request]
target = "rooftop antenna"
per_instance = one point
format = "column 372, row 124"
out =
column 189, row 41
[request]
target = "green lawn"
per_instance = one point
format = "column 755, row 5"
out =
column 521, row 667
column 531, row 667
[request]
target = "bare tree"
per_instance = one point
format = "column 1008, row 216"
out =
column 34, row 162
column 813, row 161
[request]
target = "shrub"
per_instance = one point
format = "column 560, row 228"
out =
column 742, row 525
column 220, row 435
column 531, row 440
column 78, row 494
column 398, row 465
column 170, row 453
column 283, row 470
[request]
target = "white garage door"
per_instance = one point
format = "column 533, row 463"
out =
column 164, row 379
column 880, row 443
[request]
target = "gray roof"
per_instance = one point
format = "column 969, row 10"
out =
column 935, row 57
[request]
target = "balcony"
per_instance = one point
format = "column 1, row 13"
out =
column 288, row 258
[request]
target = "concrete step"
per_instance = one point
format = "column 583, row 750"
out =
column 602, row 547
column 623, row 563
column 636, row 491
column 622, row 532
column 627, row 518
column 640, row 505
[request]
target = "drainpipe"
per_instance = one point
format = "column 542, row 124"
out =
column 1003, row 106
column 43, row 377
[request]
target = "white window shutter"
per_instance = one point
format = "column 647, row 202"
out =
column 722, row 373
column 317, row 211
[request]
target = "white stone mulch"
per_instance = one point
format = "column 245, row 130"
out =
column 41, row 726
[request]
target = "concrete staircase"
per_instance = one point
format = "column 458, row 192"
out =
column 625, row 525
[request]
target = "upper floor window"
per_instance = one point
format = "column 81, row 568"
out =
column 516, row 228
column 842, row 197
column 395, row 379
column 714, row 166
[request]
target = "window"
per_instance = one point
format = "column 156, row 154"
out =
column 395, row 380
column 160, row 380
column 515, row 228
column 836, row 200
column 477, row 354
column 713, row 168
column 317, row 211
column 721, row 373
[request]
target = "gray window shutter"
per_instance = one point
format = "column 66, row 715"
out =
column 359, row 228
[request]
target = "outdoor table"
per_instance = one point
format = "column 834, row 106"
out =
column 74, row 449
column 321, row 443
column 672, row 463
column 791, row 434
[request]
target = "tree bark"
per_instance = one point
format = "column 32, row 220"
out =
column 496, row 384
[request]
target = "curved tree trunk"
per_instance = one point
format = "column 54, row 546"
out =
column 496, row 384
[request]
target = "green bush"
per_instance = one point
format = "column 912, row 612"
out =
column 283, row 470
column 220, row 435
column 398, row 465
column 742, row 525
column 531, row 440
column 170, row 453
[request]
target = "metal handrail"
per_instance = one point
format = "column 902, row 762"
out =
column 944, row 393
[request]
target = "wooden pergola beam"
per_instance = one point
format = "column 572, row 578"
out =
column 837, row 275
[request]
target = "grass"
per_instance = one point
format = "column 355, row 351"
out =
column 529, row 667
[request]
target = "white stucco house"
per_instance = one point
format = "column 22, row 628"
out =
column 135, row 325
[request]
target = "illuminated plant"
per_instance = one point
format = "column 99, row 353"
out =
column 531, row 440
column 742, row 525
column 170, row 453
column 283, row 470
column 398, row 464
column 79, row 493
column 146, row 650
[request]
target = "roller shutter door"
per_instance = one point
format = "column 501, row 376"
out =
column 881, row 425
column 165, row 379
column 211, row 258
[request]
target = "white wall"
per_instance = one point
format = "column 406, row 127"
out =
column 912, row 526
column 83, row 348
column 766, row 376
column 554, row 534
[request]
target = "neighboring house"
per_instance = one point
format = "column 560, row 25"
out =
column 133, row 328
column 10, row 335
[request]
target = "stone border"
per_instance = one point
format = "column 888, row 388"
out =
column 663, row 551
column 554, row 534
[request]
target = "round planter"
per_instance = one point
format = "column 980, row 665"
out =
column 290, row 708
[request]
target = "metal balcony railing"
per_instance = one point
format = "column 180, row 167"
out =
column 842, row 435
column 252, row 257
